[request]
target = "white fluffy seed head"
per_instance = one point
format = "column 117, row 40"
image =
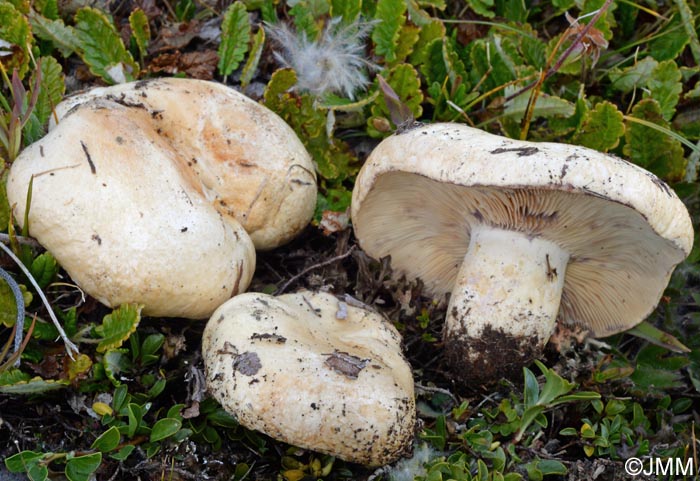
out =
column 334, row 63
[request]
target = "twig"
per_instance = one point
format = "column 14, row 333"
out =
column 562, row 58
column 311, row 268
column 70, row 347
column 28, row 241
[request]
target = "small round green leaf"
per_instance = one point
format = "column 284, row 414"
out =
column 108, row 440
column 80, row 468
column 165, row 428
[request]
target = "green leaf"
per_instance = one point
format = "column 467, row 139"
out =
column 251, row 64
column 118, row 326
column 81, row 468
column 108, row 440
column 135, row 416
column 18, row 463
column 123, row 453
column 44, row 268
column 8, row 304
column 115, row 361
column 47, row 8
column 665, row 87
column 164, row 428
column 651, row 149
column 348, row 10
column 531, row 392
column 546, row 106
column 650, row 333
column 35, row 385
column 101, row 47
column 513, row 10
column 235, row 38
column 627, row 79
column 602, row 128
column 280, row 82
column 140, row 31
column 482, row 7
column 391, row 17
column 554, row 385
column 14, row 29
column 671, row 42
column 52, row 89
column 61, row 36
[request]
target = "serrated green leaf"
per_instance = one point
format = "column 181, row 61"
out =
column 52, row 89
column 391, row 17
column 602, row 128
column 101, row 47
column 408, row 36
column 80, row 468
column 650, row 148
column 670, row 42
column 251, row 64
column 140, row 31
column 336, row 200
column 44, row 268
column 456, row 71
column 348, row 10
column 534, row 51
column 118, row 326
column 235, row 38
column 13, row 376
column 627, row 79
column 665, row 87
column 47, row 8
column 108, row 440
column 492, row 62
column 433, row 30
column 332, row 157
column 513, row 10
column 482, row 7
column 280, row 82
column 164, row 428
column 63, row 37
column 14, row 29
column 309, row 16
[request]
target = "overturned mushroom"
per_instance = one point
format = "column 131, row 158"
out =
column 112, row 203
column 312, row 371
column 243, row 158
column 521, row 234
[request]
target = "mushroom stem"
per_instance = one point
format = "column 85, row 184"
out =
column 504, row 304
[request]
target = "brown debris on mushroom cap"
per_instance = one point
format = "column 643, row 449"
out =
column 110, row 202
column 337, row 384
column 618, row 230
column 247, row 161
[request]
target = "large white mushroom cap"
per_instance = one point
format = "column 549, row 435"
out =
column 520, row 231
column 310, row 370
column 244, row 158
column 112, row 202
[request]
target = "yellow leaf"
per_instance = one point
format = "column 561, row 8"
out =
column 293, row 474
column 102, row 409
column 80, row 365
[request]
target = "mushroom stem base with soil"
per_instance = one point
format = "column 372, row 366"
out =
column 505, row 302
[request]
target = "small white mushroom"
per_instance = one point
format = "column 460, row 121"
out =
column 243, row 158
column 115, row 207
column 520, row 234
column 290, row 367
